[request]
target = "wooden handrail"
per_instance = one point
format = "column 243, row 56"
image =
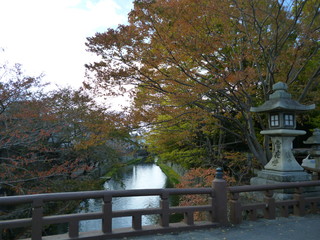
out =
column 46, row 197
column 39, row 200
column 253, row 188
column 269, row 207
column 216, row 208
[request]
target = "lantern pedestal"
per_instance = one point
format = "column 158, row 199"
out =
column 283, row 166
column 273, row 177
column 314, row 162
column 282, row 156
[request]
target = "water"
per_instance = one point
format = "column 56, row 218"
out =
column 141, row 176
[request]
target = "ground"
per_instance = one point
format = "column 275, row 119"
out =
column 293, row 228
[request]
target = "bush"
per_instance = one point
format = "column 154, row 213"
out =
column 198, row 178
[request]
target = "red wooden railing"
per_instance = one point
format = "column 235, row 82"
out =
column 218, row 209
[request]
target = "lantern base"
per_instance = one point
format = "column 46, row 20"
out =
column 274, row 177
column 270, row 177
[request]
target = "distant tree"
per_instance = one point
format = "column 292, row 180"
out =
column 211, row 60
column 46, row 136
column 16, row 86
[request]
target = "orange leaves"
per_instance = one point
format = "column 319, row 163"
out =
column 39, row 131
column 188, row 57
column 52, row 137
column 197, row 178
column 200, row 177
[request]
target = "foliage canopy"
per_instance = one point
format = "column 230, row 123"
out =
column 207, row 62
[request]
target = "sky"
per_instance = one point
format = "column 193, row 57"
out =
column 48, row 36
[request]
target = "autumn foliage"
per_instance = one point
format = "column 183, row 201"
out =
column 201, row 65
column 198, row 178
column 47, row 136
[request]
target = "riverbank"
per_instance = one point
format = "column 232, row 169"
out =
column 173, row 176
column 116, row 168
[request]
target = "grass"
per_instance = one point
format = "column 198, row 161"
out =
column 173, row 177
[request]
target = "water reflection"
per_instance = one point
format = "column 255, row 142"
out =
column 141, row 176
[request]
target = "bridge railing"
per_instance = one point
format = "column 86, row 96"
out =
column 217, row 209
column 303, row 198
column 38, row 220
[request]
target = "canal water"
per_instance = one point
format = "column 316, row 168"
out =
column 141, row 176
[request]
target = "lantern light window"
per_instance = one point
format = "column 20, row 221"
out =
column 288, row 120
column 274, row 120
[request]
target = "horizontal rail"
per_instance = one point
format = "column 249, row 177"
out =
column 71, row 217
column 286, row 203
column 16, row 223
column 186, row 191
column 253, row 188
column 132, row 212
column 98, row 215
column 313, row 199
column 46, row 197
column 197, row 208
column 253, row 206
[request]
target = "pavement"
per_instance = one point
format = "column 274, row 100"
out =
column 291, row 228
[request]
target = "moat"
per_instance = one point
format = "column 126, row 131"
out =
column 141, row 176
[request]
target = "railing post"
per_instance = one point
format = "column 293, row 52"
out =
column 253, row 214
column 270, row 210
column 212, row 204
column 299, row 208
column 164, row 205
column 37, row 214
column 313, row 206
column 74, row 229
column 189, row 218
column 235, row 209
column 284, row 211
column 220, row 202
column 107, row 214
column 136, row 222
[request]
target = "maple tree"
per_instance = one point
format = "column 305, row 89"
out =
column 210, row 61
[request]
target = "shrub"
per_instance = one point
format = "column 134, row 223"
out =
column 198, row 178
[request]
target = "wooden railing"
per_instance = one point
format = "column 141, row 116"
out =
column 269, row 207
column 217, row 209
column 38, row 220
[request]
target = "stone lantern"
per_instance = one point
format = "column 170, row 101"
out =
column 314, row 141
column 281, row 111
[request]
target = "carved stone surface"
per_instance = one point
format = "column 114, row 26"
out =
column 282, row 157
column 279, row 176
column 274, row 177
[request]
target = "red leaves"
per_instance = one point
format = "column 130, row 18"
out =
column 197, row 178
column 50, row 137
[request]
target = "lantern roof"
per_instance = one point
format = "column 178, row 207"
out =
column 315, row 138
column 280, row 99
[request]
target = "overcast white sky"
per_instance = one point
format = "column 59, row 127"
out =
column 48, row 36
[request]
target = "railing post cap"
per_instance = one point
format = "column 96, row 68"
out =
column 219, row 173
